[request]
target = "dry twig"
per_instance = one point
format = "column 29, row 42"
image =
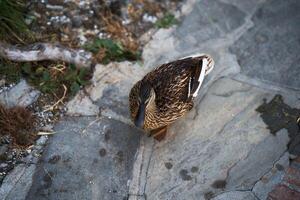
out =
column 50, row 108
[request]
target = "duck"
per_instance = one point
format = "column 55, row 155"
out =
column 167, row 93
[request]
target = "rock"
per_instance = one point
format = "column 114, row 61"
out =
column 268, row 182
column 109, row 90
column 77, row 21
column 162, row 44
column 284, row 192
column 245, row 173
column 94, row 155
column 3, row 165
column 268, row 51
column 232, row 150
column 47, row 128
column 41, row 141
column 22, row 94
column 221, row 146
column 81, row 105
column 205, row 24
column 121, row 75
column 235, row 195
column 19, row 181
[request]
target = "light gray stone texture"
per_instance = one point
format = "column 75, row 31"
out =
column 268, row 182
column 269, row 51
column 236, row 195
column 87, row 158
column 216, row 146
column 21, row 94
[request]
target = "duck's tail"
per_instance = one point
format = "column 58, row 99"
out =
column 206, row 65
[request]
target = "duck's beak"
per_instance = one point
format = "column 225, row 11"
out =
column 140, row 117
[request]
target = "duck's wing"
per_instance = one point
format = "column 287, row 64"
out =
column 210, row 65
column 178, row 81
column 196, row 77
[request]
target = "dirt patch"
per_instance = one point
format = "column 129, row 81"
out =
column 54, row 159
column 168, row 165
column 184, row 175
column 219, row 184
column 102, row 152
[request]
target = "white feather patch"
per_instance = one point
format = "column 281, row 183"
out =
column 201, row 77
column 189, row 91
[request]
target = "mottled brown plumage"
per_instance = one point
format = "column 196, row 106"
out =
column 166, row 93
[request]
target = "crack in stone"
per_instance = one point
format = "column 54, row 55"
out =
column 169, row 190
column 136, row 195
column 24, row 172
column 230, row 93
column 142, row 163
column 267, row 171
column 147, row 168
column 237, row 190
column 241, row 78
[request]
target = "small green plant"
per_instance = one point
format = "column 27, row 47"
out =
column 107, row 50
column 52, row 79
column 167, row 21
column 10, row 71
column 46, row 77
column 12, row 21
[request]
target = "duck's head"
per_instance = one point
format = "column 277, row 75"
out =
column 146, row 99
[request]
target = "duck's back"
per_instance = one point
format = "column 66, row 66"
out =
column 171, row 84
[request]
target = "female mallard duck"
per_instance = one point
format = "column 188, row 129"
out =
column 166, row 93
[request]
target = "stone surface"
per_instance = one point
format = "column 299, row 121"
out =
column 283, row 192
column 208, row 20
column 292, row 177
column 245, row 173
column 109, row 90
column 269, row 181
column 81, row 105
column 23, row 185
column 8, row 186
column 223, row 148
column 236, row 195
column 22, row 94
column 87, row 158
column 269, row 50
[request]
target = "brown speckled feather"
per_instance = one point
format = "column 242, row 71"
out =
column 173, row 83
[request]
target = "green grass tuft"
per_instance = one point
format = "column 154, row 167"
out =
column 10, row 71
column 12, row 21
column 50, row 80
column 46, row 77
column 110, row 51
column 167, row 21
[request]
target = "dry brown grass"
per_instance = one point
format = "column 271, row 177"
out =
column 113, row 25
column 18, row 122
